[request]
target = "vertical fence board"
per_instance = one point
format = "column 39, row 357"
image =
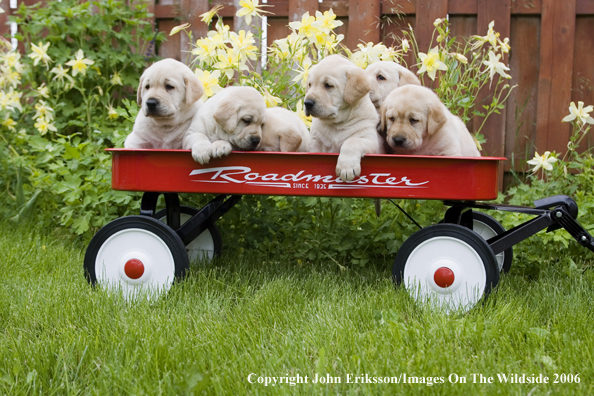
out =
column 427, row 12
column 364, row 22
column 4, row 25
column 299, row 7
column 583, row 71
column 190, row 11
column 521, row 106
column 555, row 73
column 494, row 127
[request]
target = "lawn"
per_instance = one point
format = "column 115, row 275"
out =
column 243, row 319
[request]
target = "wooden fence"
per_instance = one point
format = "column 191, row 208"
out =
column 551, row 59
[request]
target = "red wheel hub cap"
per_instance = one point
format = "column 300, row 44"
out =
column 444, row 277
column 134, row 268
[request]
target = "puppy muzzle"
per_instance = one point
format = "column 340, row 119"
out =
column 309, row 105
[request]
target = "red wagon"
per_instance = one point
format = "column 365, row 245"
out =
column 451, row 264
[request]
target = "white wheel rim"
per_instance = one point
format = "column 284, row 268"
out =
column 487, row 233
column 157, row 264
column 456, row 257
column 202, row 247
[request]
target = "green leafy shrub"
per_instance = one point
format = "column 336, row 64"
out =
column 65, row 101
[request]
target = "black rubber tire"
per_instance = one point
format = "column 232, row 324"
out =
column 161, row 230
column 462, row 233
column 508, row 254
column 215, row 234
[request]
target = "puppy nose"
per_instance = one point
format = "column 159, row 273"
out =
column 398, row 140
column 309, row 104
column 152, row 104
column 255, row 141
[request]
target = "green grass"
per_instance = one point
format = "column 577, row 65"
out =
column 244, row 315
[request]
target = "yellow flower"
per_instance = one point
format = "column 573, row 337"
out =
column 368, row 54
column 116, row 79
column 327, row 21
column 40, row 53
column 391, row 55
column 492, row 37
column 210, row 82
column 179, row 28
column 543, row 161
column 494, row 66
column 43, row 91
column 243, row 44
column 112, row 114
column 307, row 28
column 303, row 73
column 80, row 64
column 405, row 46
column 580, row 113
column 461, row 58
column 504, row 45
column 61, row 74
column 43, row 111
column 205, row 51
column 11, row 59
column 9, row 123
column 10, row 100
column 207, row 16
column 301, row 113
column 437, row 22
column 11, row 79
column 44, row 125
column 430, row 63
column 270, row 100
column 229, row 61
column 249, row 9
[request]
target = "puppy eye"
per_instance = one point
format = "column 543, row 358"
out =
column 169, row 87
column 147, row 86
column 413, row 121
column 381, row 78
column 247, row 121
column 328, row 86
column 392, row 119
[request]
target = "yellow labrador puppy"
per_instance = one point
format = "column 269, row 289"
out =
column 384, row 77
column 415, row 122
column 230, row 120
column 345, row 121
column 283, row 130
column 169, row 95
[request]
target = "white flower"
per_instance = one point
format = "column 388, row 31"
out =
column 545, row 161
column 494, row 66
column 580, row 113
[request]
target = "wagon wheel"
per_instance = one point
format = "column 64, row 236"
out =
column 206, row 245
column 134, row 254
column 487, row 227
column 446, row 265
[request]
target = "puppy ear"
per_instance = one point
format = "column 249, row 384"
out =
column 407, row 77
column 139, row 91
column 436, row 117
column 226, row 114
column 381, row 126
column 194, row 89
column 289, row 141
column 357, row 85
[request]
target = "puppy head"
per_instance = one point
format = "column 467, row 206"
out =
column 333, row 85
column 384, row 77
column 240, row 113
column 410, row 115
column 167, row 88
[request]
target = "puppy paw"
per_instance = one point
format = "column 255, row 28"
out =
column 348, row 168
column 201, row 153
column 221, row 148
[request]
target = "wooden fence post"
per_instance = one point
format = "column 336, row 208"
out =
column 427, row 12
column 4, row 25
column 557, row 38
column 364, row 22
column 494, row 128
column 299, row 7
column 190, row 11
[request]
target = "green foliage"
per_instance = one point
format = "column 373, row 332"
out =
column 72, row 95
